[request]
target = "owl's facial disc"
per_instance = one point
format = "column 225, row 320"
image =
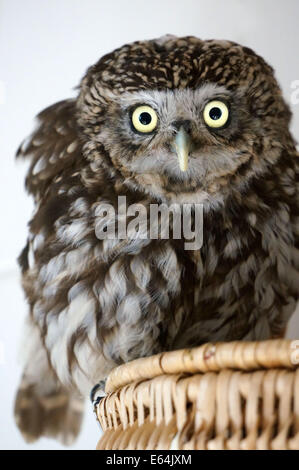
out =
column 181, row 123
column 180, row 142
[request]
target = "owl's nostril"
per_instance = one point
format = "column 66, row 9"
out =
column 186, row 124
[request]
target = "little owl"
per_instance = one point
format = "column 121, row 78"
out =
column 173, row 121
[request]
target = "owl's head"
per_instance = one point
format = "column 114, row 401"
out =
column 182, row 119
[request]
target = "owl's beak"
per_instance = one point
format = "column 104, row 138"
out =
column 182, row 144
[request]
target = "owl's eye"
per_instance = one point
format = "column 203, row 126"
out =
column 216, row 114
column 144, row 119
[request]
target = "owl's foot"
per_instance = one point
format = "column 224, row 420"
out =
column 97, row 393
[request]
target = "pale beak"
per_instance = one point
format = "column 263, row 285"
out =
column 181, row 145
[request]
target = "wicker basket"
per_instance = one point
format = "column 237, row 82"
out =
column 239, row 395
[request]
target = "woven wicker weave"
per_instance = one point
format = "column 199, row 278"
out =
column 219, row 396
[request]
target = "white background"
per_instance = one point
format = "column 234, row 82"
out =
column 45, row 47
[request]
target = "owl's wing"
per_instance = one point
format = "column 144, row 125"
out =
column 53, row 148
column 43, row 406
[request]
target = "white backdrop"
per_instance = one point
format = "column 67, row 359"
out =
column 45, row 47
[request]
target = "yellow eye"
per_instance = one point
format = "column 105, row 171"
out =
column 216, row 114
column 144, row 119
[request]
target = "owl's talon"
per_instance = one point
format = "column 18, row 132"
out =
column 97, row 393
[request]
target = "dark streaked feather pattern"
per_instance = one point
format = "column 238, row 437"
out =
column 93, row 303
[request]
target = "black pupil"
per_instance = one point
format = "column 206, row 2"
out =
column 145, row 118
column 215, row 114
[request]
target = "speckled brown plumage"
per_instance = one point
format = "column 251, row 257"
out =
column 97, row 303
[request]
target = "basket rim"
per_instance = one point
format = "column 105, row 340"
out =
column 235, row 355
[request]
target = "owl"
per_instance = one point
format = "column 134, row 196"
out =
column 166, row 121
